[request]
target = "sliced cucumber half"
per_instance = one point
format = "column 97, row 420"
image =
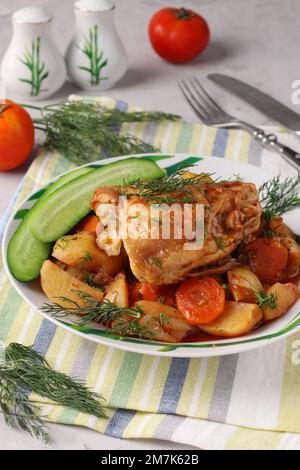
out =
column 25, row 254
column 71, row 175
column 57, row 213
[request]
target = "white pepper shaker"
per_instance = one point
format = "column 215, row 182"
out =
column 32, row 66
column 96, row 58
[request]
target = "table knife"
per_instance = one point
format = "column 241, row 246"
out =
column 260, row 100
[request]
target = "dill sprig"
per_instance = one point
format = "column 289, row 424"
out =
column 122, row 320
column 266, row 301
column 220, row 243
column 168, row 188
column 176, row 187
column 155, row 262
column 23, row 371
column 81, row 129
column 279, row 196
column 88, row 278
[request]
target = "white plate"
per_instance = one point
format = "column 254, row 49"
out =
column 263, row 336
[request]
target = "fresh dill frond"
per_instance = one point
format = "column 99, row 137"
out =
column 155, row 262
column 279, row 196
column 174, row 188
column 25, row 371
column 85, row 131
column 88, row 279
column 237, row 177
column 122, row 320
column 266, row 301
column 168, row 188
column 220, row 243
column 87, row 256
column 269, row 233
column 63, row 242
column 163, row 319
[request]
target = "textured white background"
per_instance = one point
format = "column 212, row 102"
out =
column 257, row 41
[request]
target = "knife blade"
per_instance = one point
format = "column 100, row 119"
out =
column 260, row 100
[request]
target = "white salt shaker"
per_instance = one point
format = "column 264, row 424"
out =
column 32, row 66
column 96, row 58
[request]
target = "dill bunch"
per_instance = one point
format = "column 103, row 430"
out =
column 24, row 371
column 278, row 196
column 80, row 130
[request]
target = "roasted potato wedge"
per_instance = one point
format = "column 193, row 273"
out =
column 238, row 319
column 286, row 295
column 166, row 317
column 243, row 284
column 117, row 291
column 58, row 283
column 153, row 330
column 277, row 225
column 203, row 177
column 293, row 265
column 81, row 251
column 75, row 272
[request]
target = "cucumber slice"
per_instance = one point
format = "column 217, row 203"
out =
column 60, row 211
column 25, row 254
column 71, row 175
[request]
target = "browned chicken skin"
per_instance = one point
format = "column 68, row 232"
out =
column 232, row 215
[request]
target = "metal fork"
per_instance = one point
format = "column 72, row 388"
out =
column 212, row 114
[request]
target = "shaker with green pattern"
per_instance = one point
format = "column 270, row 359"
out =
column 96, row 58
column 32, row 67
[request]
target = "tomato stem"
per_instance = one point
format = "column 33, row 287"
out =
column 184, row 14
column 3, row 107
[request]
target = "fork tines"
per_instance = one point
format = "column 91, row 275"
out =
column 204, row 106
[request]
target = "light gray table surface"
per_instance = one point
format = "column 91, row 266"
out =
column 257, row 41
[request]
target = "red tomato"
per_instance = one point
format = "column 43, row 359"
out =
column 267, row 258
column 177, row 34
column 16, row 135
column 200, row 301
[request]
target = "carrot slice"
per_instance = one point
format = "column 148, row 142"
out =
column 267, row 258
column 144, row 291
column 88, row 224
column 200, row 301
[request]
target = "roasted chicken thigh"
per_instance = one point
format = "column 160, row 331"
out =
column 232, row 214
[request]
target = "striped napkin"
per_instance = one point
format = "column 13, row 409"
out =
column 245, row 401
